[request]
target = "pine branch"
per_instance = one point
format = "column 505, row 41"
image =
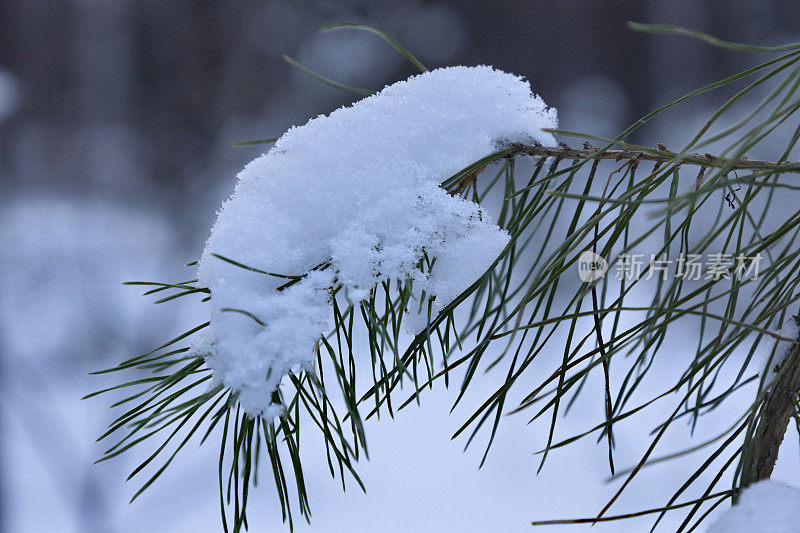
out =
column 174, row 400
column 662, row 155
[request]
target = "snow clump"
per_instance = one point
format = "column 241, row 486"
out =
column 351, row 199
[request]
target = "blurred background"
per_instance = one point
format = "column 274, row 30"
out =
column 117, row 120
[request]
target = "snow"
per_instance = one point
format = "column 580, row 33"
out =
column 62, row 260
column 775, row 354
column 358, row 190
column 766, row 507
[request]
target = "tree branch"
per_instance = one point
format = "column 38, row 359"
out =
column 661, row 155
column 775, row 412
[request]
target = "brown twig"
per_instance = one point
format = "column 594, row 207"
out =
column 660, row 155
column 774, row 415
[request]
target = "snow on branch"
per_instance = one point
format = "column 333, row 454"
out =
column 347, row 201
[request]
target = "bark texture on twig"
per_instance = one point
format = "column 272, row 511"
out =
column 661, row 155
column 775, row 413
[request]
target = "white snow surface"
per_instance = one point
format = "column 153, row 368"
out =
column 358, row 188
column 764, row 507
column 790, row 330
